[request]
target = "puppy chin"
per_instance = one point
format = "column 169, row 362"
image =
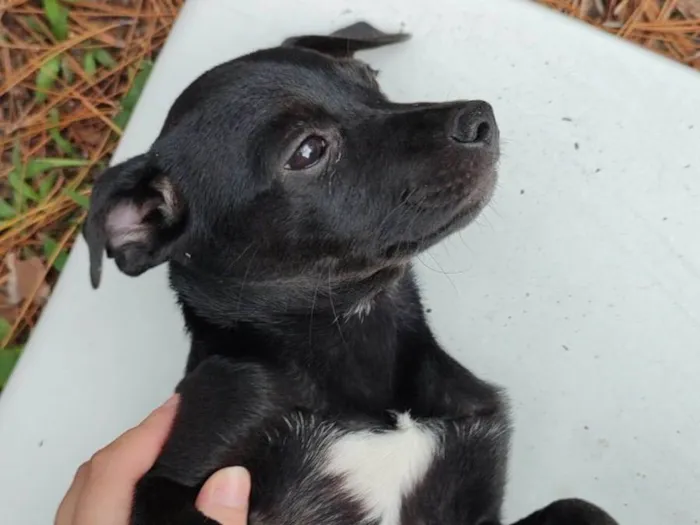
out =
column 458, row 215
column 480, row 196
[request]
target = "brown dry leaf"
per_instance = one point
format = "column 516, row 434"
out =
column 90, row 135
column 8, row 311
column 592, row 8
column 24, row 276
column 689, row 8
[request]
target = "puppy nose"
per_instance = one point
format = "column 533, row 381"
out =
column 474, row 123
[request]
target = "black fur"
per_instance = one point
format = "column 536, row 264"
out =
column 296, row 284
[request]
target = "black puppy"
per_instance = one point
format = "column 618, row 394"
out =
column 288, row 196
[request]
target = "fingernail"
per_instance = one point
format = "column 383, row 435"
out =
column 232, row 488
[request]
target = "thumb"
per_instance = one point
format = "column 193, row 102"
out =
column 224, row 496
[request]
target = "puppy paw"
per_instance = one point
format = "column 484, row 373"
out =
column 569, row 512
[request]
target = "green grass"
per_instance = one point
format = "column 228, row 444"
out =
column 86, row 84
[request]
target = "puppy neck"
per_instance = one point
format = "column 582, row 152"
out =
column 364, row 306
column 340, row 297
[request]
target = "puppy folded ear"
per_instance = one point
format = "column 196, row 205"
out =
column 345, row 42
column 136, row 215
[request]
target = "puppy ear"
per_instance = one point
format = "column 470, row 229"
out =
column 345, row 42
column 136, row 215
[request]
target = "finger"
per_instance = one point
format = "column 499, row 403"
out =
column 133, row 453
column 66, row 510
column 224, row 496
column 115, row 469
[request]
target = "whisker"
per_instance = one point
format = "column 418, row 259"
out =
column 313, row 306
column 336, row 321
column 399, row 206
column 245, row 278
column 442, row 270
column 240, row 256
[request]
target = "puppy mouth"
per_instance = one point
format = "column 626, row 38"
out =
column 463, row 217
column 459, row 215
column 456, row 222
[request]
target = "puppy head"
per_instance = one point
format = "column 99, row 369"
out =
column 290, row 163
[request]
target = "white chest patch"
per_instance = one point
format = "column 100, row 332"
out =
column 379, row 469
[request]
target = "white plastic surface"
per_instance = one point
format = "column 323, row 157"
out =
column 579, row 290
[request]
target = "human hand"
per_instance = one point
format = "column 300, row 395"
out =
column 103, row 487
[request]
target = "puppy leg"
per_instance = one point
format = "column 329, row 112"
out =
column 432, row 384
column 568, row 512
column 223, row 404
column 466, row 483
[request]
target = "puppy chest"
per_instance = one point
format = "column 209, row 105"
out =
column 380, row 469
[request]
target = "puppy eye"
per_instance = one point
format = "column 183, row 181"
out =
column 308, row 154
